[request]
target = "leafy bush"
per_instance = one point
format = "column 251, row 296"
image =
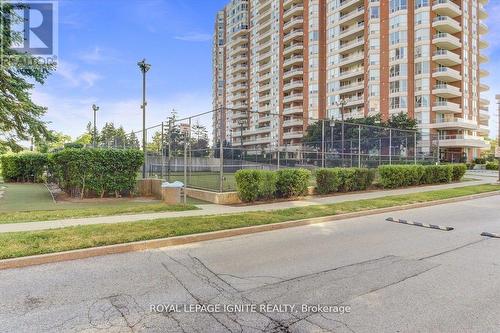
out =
column 394, row 176
column 480, row 160
column 248, row 184
column 436, row 174
column 98, row 171
column 458, row 171
column 343, row 179
column 24, row 167
column 492, row 165
column 267, row 185
column 292, row 182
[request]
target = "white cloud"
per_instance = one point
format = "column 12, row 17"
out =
column 76, row 78
column 194, row 37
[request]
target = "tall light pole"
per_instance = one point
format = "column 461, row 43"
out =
column 341, row 103
column 144, row 67
column 95, row 108
column 498, row 134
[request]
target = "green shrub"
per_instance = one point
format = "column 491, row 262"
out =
column 24, row 167
column 292, row 182
column 327, row 181
column 343, row 179
column 436, row 174
column 267, row 185
column 394, row 176
column 458, row 171
column 248, row 184
column 97, row 171
column 492, row 165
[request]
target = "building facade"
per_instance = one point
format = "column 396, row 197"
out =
column 280, row 65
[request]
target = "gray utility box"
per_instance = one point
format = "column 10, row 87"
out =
column 171, row 192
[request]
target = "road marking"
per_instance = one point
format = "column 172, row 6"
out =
column 489, row 234
column 418, row 224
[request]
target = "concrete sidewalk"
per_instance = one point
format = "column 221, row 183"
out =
column 211, row 209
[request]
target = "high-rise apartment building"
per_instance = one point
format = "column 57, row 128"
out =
column 291, row 62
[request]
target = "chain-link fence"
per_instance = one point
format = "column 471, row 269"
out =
column 189, row 150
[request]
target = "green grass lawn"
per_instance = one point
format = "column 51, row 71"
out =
column 33, row 202
column 19, row 244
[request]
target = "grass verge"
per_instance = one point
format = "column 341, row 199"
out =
column 47, row 215
column 20, row 244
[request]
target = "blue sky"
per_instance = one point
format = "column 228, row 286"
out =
column 100, row 42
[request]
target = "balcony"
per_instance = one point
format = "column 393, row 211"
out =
column 293, row 61
column 264, row 87
column 483, row 58
column 447, row 74
column 357, row 100
column 265, row 56
column 484, row 113
column 351, row 45
column 294, row 10
column 446, row 41
column 265, row 119
column 446, row 8
column 257, row 141
column 484, row 102
column 257, row 130
column 347, row 88
column 293, row 48
column 293, row 34
column 293, row 135
column 461, row 141
column 483, row 87
column 265, row 77
column 352, row 16
column 293, row 73
column 293, row 23
column 351, row 73
column 483, row 28
column 481, row 13
column 447, row 107
column 483, row 73
column 354, row 57
column 446, row 24
column 293, row 85
column 239, row 87
column 352, row 30
column 293, row 98
column 293, row 110
column 454, row 123
column 446, row 91
column 483, row 130
column 446, row 58
column 293, row 122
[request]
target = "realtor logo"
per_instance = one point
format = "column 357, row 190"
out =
column 32, row 27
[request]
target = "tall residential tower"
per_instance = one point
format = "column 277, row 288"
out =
column 291, row 62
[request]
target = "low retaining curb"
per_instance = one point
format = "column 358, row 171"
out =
column 418, row 224
column 181, row 240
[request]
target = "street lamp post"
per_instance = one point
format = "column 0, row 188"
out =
column 341, row 103
column 95, row 108
column 498, row 135
column 144, row 67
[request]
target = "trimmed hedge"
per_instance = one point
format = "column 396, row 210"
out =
column 292, row 182
column 255, row 185
column 96, row 171
column 343, row 179
column 459, row 171
column 394, row 176
column 437, row 174
column 24, row 167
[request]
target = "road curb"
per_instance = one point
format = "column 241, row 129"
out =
column 188, row 239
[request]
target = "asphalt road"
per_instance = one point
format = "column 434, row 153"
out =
column 388, row 277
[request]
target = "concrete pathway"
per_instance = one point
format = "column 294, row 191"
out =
column 212, row 209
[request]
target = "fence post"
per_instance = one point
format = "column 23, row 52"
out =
column 279, row 153
column 162, row 149
column 415, row 148
column 359, row 146
column 390, row 145
column 169, row 148
column 221, row 149
column 187, row 138
column 323, row 143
